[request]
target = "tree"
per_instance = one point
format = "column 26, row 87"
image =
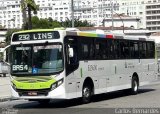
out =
column 53, row 23
column 56, row 24
column 24, row 15
column 35, row 22
column 44, row 23
column 77, row 23
column 30, row 6
column 50, row 23
column 9, row 34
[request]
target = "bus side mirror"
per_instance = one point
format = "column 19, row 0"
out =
column 70, row 52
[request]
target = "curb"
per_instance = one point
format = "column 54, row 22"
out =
column 5, row 99
column 156, row 83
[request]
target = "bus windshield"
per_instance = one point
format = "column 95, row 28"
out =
column 36, row 59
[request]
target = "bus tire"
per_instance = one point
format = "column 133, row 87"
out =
column 135, row 86
column 86, row 93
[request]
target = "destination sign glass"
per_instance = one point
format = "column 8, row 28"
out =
column 36, row 36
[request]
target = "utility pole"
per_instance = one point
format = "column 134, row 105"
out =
column 112, row 14
column 72, row 13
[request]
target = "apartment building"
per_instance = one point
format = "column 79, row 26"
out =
column 57, row 9
column 153, row 16
column 94, row 11
column 136, row 8
column 122, row 21
column 10, row 14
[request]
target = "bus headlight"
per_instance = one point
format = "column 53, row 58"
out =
column 56, row 84
column 60, row 82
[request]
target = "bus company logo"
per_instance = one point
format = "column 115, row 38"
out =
column 92, row 68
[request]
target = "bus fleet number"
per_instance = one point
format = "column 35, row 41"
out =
column 20, row 67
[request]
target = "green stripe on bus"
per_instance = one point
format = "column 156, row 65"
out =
column 81, row 73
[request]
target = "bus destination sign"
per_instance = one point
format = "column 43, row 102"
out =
column 36, row 36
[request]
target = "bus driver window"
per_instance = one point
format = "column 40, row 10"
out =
column 72, row 55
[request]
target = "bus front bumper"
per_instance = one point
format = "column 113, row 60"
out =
column 57, row 93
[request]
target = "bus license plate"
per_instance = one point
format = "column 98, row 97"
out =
column 32, row 93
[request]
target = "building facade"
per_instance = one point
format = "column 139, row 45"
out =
column 123, row 21
column 94, row 11
column 153, row 16
column 136, row 8
column 10, row 14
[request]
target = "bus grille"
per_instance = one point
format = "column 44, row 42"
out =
column 36, row 92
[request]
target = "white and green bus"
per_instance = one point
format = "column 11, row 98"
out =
column 63, row 64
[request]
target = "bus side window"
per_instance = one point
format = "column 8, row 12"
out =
column 125, row 49
column 86, row 48
column 150, row 50
column 142, row 50
column 122, row 45
column 136, row 52
column 110, row 49
column 85, row 51
column 100, row 49
column 116, row 49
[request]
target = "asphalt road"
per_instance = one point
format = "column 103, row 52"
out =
column 119, row 102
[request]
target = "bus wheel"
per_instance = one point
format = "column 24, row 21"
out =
column 86, row 93
column 43, row 101
column 135, row 85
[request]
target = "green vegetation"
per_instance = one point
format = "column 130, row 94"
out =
column 50, row 23
column 44, row 23
column 9, row 34
column 30, row 6
column 77, row 23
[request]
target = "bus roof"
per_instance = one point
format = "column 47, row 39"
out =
column 34, row 30
column 94, row 34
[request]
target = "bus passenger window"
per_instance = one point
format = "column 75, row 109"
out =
column 85, row 51
column 101, row 52
column 150, row 49
column 111, row 49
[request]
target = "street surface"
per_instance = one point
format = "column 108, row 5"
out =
column 148, row 97
column 5, row 91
